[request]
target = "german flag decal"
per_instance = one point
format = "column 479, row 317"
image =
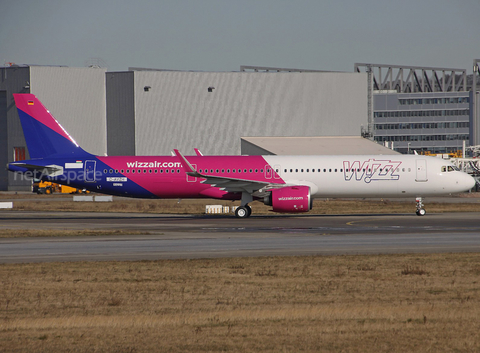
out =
column 30, row 102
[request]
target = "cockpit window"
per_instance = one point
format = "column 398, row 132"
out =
column 449, row 168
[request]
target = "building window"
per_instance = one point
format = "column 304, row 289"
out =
column 18, row 154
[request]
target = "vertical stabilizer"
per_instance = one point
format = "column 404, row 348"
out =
column 44, row 135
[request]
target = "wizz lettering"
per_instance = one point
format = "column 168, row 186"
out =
column 371, row 170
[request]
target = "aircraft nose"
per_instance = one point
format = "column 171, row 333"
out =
column 471, row 182
column 468, row 182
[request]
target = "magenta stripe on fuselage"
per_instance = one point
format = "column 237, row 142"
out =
column 164, row 176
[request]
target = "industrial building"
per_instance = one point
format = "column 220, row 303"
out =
column 152, row 111
column 422, row 108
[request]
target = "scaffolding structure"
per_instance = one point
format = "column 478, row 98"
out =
column 414, row 79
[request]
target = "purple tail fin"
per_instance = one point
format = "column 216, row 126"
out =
column 45, row 137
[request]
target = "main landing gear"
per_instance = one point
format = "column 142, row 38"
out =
column 244, row 211
column 420, row 210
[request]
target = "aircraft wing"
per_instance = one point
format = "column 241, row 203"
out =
column 236, row 185
column 257, row 188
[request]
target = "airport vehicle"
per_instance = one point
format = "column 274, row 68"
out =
column 287, row 183
column 47, row 187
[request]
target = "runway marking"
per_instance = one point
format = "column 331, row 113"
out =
column 351, row 223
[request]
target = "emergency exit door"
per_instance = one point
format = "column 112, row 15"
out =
column 421, row 169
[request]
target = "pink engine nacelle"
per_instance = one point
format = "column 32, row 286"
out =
column 290, row 199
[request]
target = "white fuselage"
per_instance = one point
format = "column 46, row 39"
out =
column 371, row 176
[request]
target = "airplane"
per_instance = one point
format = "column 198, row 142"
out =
column 287, row 183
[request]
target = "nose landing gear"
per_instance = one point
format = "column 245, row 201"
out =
column 420, row 210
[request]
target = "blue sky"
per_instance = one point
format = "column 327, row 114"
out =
column 216, row 35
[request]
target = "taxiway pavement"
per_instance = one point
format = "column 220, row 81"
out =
column 171, row 237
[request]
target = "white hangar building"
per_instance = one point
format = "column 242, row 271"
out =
column 152, row 111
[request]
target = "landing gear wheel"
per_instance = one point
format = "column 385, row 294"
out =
column 421, row 212
column 243, row 212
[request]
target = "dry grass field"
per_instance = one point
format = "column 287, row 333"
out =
column 394, row 303
column 391, row 303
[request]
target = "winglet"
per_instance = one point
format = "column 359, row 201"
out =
column 189, row 169
column 197, row 151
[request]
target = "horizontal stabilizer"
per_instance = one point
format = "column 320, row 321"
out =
column 50, row 170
